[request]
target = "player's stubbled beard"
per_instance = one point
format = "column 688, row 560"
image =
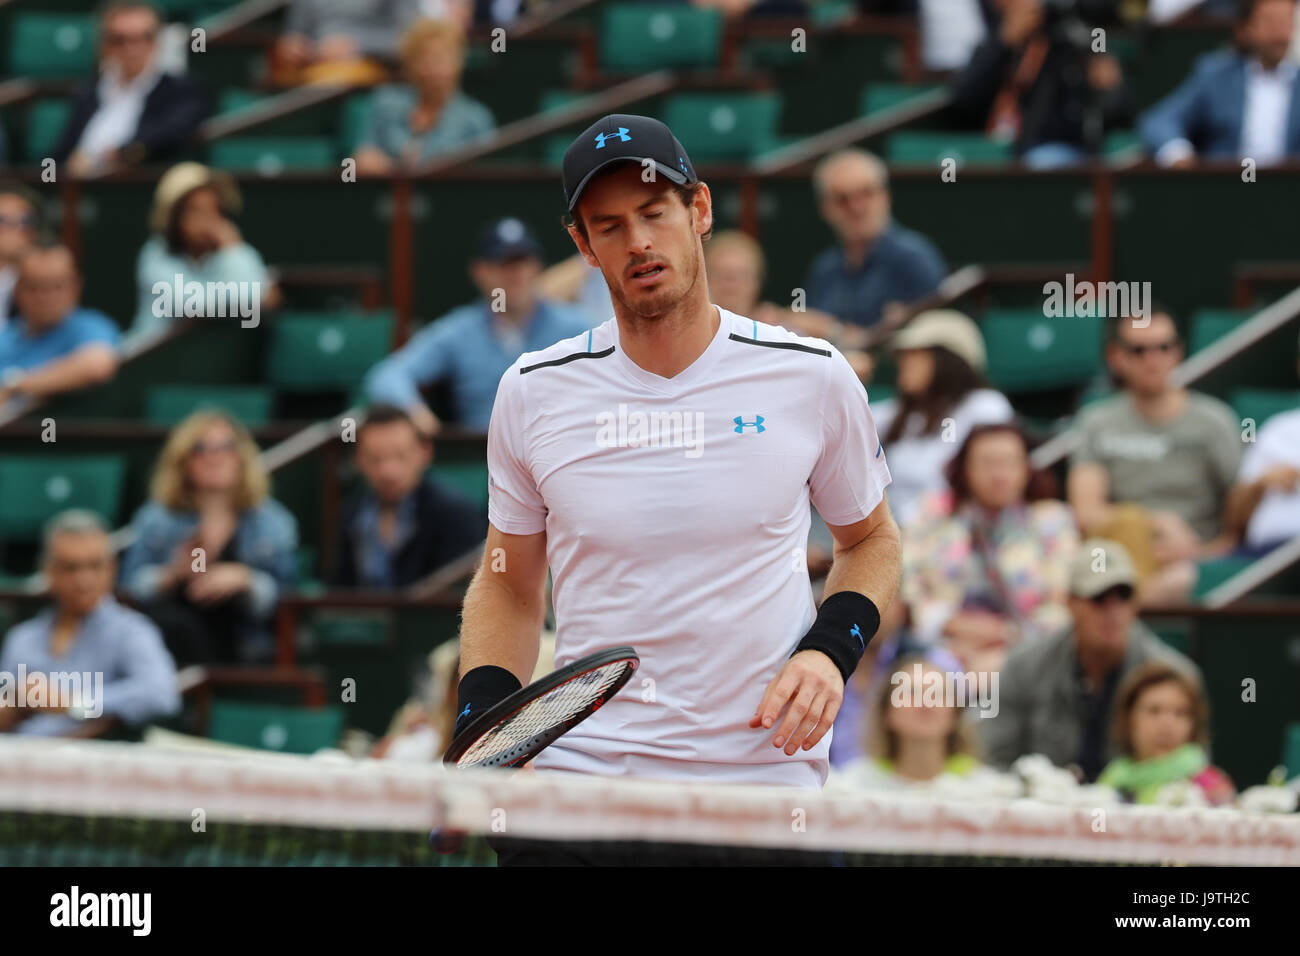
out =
column 656, row 305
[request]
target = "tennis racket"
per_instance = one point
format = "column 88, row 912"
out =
column 520, row 727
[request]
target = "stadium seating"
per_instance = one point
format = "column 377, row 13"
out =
column 636, row 37
column 326, row 352
column 299, row 730
column 1027, row 352
column 53, row 45
column 46, row 121
column 1261, row 404
column 34, row 488
column 931, row 148
column 273, row 155
column 715, row 127
column 168, row 404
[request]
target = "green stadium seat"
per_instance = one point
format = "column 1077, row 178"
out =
column 931, row 148
column 53, row 45
column 1210, row 574
column 168, row 404
column 326, row 352
column 638, row 37
column 554, row 99
column 882, row 96
column 470, row 478
column 273, row 155
column 232, row 101
column 1261, row 404
column 1209, row 325
column 1291, row 751
column 554, row 149
column 1029, row 352
column 724, row 126
column 34, row 488
column 46, row 121
column 297, row 730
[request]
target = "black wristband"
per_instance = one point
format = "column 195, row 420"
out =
column 480, row 689
column 846, row 621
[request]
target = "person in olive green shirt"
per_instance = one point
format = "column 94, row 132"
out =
column 1156, row 461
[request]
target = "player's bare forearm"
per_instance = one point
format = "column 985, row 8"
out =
column 505, row 606
column 868, row 558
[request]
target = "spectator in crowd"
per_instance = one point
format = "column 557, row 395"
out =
column 989, row 568
column 20, row 225
column 352, row 42
column 736, row 266
column 875, row 261
column 134, row 112
column 1238, row 103
column 941, row 397
column 1264, row 504
column 194, row 237
column 1162, row 734
column 1155, row 462
column 1057, row 693
column 409, row 125
column 124, row 675
column 950, row 30
column 212, row 550
column 403, row 525
column 1036, row 82
column 54, row 345
column 579, row 284
column 917, row 740
column 472, row 346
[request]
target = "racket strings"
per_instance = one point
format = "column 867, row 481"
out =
column 549, row 714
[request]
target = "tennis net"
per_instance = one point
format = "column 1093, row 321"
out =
column 129, row 804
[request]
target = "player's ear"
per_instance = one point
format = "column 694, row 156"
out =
column 702, row 203
column 584, row 249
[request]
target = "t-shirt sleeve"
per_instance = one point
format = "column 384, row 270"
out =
column 1227, row 448
column 515, row 504
column 97, row 329
column 850, row 476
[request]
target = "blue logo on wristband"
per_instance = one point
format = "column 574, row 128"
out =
column 464, row 712
column 858, row 634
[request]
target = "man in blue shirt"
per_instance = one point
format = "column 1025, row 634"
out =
column 87, row 665
column 876, row 261
column 471, row 347
column 54, row 345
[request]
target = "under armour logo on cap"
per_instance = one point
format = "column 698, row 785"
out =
column 621, row 134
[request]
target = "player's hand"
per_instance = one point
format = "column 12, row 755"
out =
column 809, row 689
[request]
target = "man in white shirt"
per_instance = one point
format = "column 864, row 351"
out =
column 1237, row 104
column 662, row 464
column 1265, row 501
column 133, row 112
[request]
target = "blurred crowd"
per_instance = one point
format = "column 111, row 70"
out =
column 1007, row 571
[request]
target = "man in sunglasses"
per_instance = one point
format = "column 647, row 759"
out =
column 1156, row 461
column 1057, row 693
column 133, row 112
column 19, row 222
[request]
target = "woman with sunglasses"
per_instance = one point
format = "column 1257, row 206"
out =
column 212, row 549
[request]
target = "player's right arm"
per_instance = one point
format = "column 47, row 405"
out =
column 505, row 605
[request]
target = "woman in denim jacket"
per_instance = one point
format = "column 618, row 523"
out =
column 212, row 550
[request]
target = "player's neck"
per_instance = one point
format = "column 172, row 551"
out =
column 668, row 345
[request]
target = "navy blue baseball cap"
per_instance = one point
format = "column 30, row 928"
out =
column 505, row 239
column 622, row 136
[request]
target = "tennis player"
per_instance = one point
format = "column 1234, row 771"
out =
column 661, row 465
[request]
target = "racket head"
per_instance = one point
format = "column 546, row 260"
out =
column 532, row 718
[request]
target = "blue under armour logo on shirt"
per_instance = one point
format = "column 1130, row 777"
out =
column 858, row 634
column 621, row 134
column 741, row 424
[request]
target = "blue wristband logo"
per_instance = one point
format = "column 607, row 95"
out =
column 858, row 634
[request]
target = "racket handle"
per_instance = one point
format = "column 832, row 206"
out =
column 447, row 841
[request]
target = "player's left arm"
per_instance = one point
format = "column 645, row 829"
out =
column 810, row 687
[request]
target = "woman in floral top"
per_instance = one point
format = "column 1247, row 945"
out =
column 985, row 564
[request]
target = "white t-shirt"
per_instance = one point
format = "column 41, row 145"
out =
column 919, row 460
column 683, row 534
column 1277, row 516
